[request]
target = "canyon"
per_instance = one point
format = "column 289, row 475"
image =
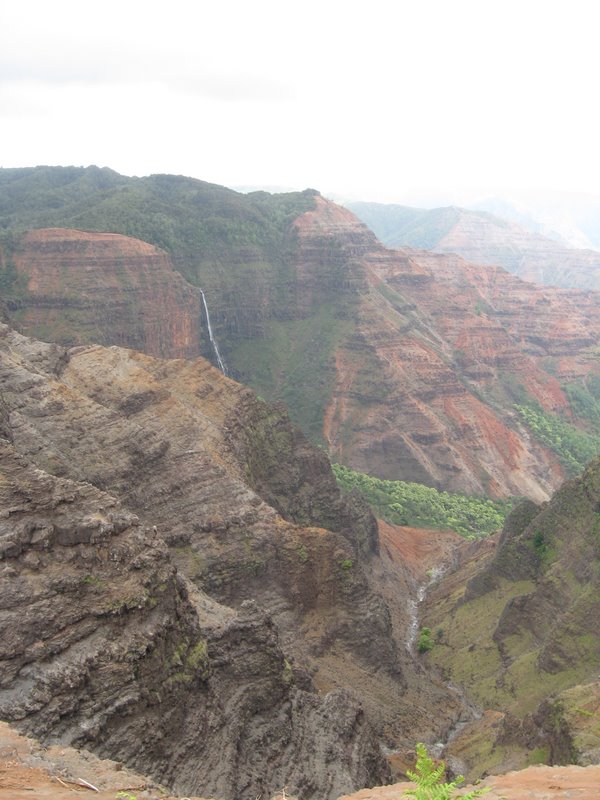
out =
column 185, row 589
column 402, row 363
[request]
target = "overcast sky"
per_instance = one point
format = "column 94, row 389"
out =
column 372, row 100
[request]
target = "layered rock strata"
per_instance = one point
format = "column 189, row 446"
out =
column 103, row 287
column 181, row 446
column 423, row 385
column 484, row 239
column 404, row 364
column 106, row 645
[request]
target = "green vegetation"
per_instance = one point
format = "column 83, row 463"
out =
column 91, row 580
column 425, row 643
column 292, row 362
column 238, row 247
column 188, row 218
column 423, row 507
column 430, row 780
column 585, row 400
column 398, row 226
column 574, row 447
column 541, row 547
column 302, row 554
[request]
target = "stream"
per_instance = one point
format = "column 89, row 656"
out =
column 470, row 711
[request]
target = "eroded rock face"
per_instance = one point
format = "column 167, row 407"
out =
column 484, row 239
column 208, row 685
column 105, row 645
column 532, row 257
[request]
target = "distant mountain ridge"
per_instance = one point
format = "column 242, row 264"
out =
column 483, row 238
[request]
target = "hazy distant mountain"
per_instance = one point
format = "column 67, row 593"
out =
column 572, row 218
column 501, row 207
column 483, row 238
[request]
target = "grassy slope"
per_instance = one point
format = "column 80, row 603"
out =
column 399, row 226
column 529, row 626
column 403, row 226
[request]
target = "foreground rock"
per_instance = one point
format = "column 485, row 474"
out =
column 27, row 769
column 107, row 456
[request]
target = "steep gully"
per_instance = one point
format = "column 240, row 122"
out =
column 469, row 710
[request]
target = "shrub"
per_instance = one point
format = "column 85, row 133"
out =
column 430, row 780
column 425, row 643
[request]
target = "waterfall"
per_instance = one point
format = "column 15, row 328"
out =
column 213, row 341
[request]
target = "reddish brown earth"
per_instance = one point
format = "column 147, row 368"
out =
column 106, row 288
column 28, row 770
column 418, row 549
column 424, row 385
column 533, row 783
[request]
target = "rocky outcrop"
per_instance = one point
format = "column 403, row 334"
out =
column 106, row 645
column 102, row 287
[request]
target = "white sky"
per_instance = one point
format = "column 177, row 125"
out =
column 373, row 100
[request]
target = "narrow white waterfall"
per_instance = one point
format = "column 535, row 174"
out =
column 213, row 341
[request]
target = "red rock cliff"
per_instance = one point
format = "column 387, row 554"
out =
column 107, row 288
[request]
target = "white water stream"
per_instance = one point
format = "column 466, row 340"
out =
column 213, row 341
column 413, row 607
column 470, row 711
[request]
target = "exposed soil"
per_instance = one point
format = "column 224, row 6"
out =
column 28, row 770
column 533, row 783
